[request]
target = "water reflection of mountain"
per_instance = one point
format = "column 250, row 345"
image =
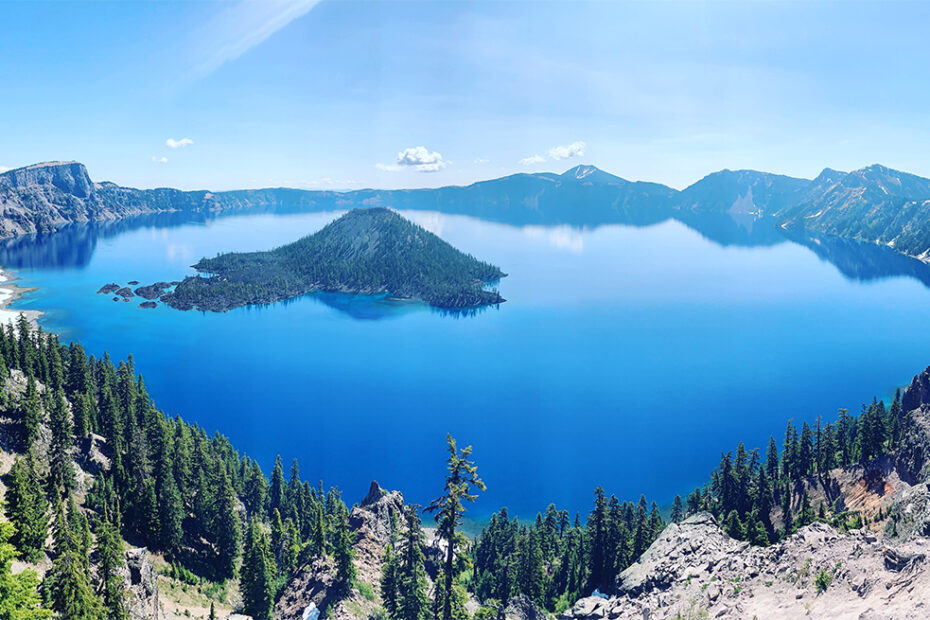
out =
column 74, row 245
column 863, row 261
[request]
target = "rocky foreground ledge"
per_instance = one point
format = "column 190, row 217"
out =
column 695, row 570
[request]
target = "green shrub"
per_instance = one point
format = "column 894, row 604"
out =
column 365, row 590
column 823, row 580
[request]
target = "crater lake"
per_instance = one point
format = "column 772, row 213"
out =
column 628, row 357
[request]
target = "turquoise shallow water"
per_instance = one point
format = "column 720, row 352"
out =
column 626, row 357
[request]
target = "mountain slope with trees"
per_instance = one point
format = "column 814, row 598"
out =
column 874, row 204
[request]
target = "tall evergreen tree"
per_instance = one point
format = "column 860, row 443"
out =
column 677, row 513
column 461, row 479
column 343, row 539
column 19, row 597
column 110, row 560
column 257, row 581
column 27, row 508
column 66, row 586
column 61, row 467
column 412, row 602
column 30, row 410
column 227, row 531
column 276, row 491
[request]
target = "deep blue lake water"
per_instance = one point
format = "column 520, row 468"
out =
column 624, row 357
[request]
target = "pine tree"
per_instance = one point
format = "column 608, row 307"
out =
column 389, row 582
column 694, row 504
column 170, row 510
column 412, row 602
column 66, row 586
column 27, row 508
column 318, row 540
column 343, row 540
column 734, row 527
column 530, row 571
column 61, row 467
column 677, row 513
column 110, row 560
column 276, row 492
column 31, row 413
column 460, row 481
column 19, row 598
column 257, row 579
column 227, row 531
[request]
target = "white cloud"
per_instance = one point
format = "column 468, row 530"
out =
column 159, row 160
column 566, row 151
column 178, row 144
column 4, row 169
column 481, row 160
column 532, row 159
column 419, row 158
column 237, row 28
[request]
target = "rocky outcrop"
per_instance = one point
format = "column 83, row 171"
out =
column 695, row 570
column 373, row 523
column 139, row 580
column 152, row 291
column 522, row 607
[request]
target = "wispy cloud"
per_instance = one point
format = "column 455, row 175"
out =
column 567, row 151
column 159, row 160
column 556, row 153
column 419, row 158
column 178, row 144
column 238, row 28
column 532, row 159
column 4, row 169
column 481, row 160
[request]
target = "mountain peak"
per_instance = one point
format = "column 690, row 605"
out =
column 591, row 174
column 581, row 171
column 68, row 176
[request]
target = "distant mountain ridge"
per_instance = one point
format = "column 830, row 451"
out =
column 874, row 204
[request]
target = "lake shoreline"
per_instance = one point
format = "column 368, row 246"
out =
column 9, row 294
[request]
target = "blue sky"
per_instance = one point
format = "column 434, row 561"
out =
column 341, row 94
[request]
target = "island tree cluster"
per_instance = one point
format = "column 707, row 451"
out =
column 371, row 251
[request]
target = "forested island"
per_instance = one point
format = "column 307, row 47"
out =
column 370, row 251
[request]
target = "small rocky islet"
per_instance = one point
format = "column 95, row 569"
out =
column 150, row 292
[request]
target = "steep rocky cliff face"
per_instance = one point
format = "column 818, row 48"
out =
column 45, row 197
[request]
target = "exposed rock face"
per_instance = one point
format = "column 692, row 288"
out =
column 695, row 570
column 523, row 608
column 68, row 177
column 106, row 289
column 373, row 522
column 139, row 579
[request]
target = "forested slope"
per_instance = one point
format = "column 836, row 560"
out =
column 372, row 251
